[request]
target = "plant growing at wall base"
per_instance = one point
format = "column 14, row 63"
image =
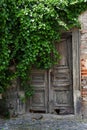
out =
column 28, row 31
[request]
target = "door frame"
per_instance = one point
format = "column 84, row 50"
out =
column 75, row 73
column 76, row 70
column 75, row 33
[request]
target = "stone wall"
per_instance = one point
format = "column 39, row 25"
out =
column 83, row 59
column 14, row 99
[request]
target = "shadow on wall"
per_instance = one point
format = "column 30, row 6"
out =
column 4, row 112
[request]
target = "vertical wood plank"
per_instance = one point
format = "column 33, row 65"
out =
column 76, row 70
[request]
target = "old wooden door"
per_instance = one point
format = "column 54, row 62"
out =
column 53, row 88
column 60, row 89
column 39, row 100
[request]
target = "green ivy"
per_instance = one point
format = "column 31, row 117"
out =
column 28, row 31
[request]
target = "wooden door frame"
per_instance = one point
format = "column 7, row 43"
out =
column 76, row 75
column 76, row 71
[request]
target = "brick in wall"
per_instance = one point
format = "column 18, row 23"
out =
column 83, row 58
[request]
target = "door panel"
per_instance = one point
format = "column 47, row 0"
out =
column 38, row 102
column 61, row 83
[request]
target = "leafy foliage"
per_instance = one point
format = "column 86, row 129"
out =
column 28, row 30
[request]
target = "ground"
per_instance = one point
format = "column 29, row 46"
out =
column 43, row 122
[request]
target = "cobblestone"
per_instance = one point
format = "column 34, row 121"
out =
column 47, row 122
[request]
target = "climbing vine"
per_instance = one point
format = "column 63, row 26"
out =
column 28, row 31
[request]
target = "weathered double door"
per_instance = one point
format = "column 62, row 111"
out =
column 53, row 91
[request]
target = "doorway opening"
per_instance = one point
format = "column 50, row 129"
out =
column 56, row 89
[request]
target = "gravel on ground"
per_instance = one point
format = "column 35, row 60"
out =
column 43, row 122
